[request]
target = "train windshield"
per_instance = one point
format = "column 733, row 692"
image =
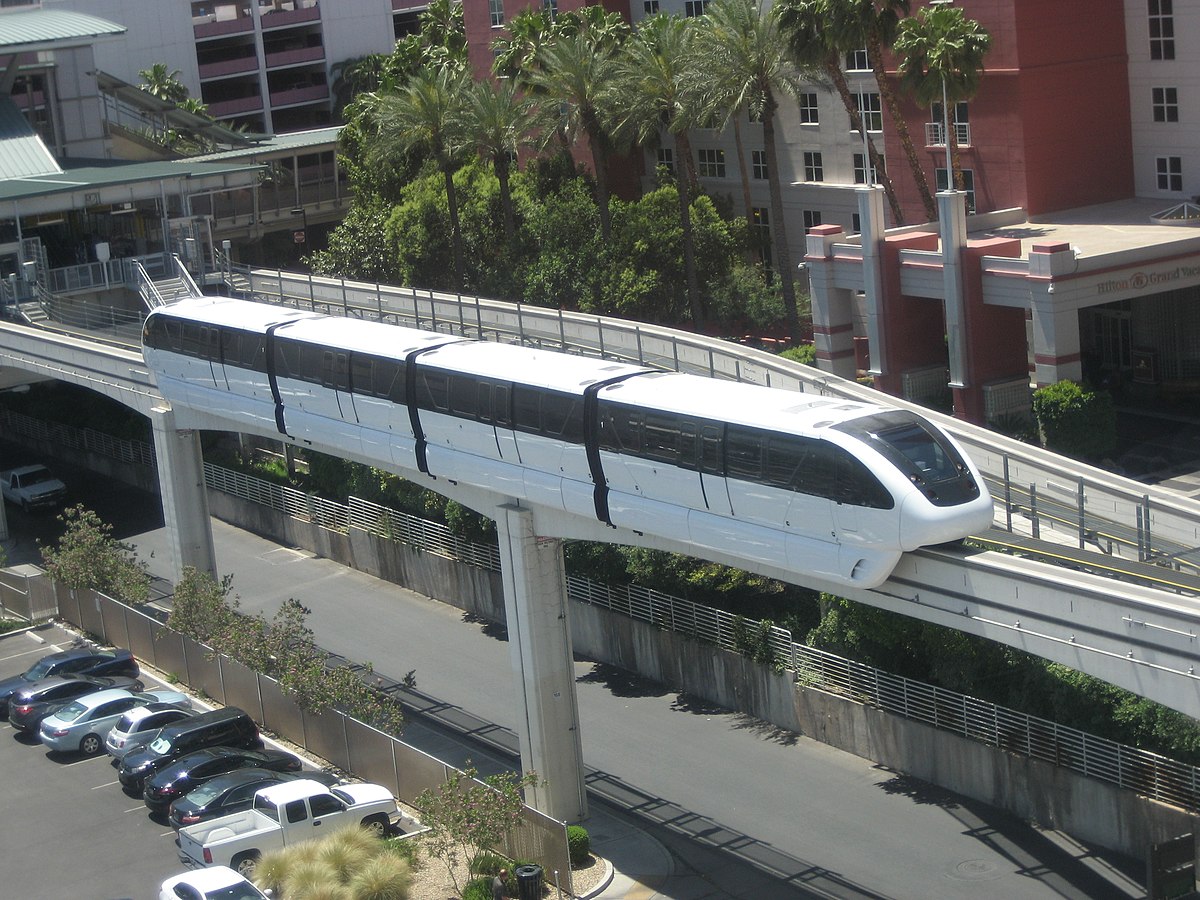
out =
column 913, row 445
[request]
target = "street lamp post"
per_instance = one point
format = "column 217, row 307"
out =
column 946, row 115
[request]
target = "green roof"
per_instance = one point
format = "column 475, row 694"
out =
column 279, row 145
column 40, row 28
column 101, row 177
column 22, row 153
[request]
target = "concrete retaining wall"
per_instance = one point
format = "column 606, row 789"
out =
column 1089, row 810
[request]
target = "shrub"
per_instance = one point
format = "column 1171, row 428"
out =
column 805, row 354
column 478, row 889
column 489, row 864
column 1075, row 422
column 579, row 844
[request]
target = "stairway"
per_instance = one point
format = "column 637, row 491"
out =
column 171, row 289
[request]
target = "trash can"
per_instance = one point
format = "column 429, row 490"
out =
column 529, row 882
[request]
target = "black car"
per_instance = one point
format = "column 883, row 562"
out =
column 227, row 727
column 185, row 774
column 232, row 792
column 28, row 706
column 80, row 661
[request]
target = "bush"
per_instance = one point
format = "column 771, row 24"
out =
column 478, row 889
column 805, row 354
column 1076, row 422
column 579, row 844
column 489, row 864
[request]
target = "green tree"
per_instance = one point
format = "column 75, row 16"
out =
column 425, row 114
column 942, row 55
column 468, row 817
column 576, row 74
column 358, row 247
column 202, row 608
column 163, row 83
column 750, row 68
column 499, row 119
column 818, row 36
column 358, row 75
column 88, row 556
column 1074, row 421
column 657, row 70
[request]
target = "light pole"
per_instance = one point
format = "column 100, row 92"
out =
column 946, row 114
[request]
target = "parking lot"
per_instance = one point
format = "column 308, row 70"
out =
column 68, row 830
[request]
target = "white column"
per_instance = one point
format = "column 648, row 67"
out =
column 952, row 216
column 184, row 497
column 539, row 640
column 870, row 217
column 1056, row 353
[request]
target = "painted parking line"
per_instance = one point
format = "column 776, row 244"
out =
column 106, row 784
column 142, row 808
column 80, row 762
column 53, row 648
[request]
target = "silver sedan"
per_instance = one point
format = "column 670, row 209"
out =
column 82, row 725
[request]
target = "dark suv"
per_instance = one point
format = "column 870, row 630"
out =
column 228, row 727
column 79, row 661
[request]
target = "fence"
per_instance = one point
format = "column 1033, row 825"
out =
column 18, row 425
column 349, row 744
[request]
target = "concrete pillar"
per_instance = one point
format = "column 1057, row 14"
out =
column 952, row 225
column 539, row 640
column 870, row 215
column 832, row 307
column 1056, row 353
column 184, row 497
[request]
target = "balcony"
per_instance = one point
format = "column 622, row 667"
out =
column 223, row 109
column 223, row 20
column 294, row 57
column 227, row 67
column 298, row 95
column 935, row 134
column 283, row 13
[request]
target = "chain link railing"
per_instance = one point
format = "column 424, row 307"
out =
column 15, row 424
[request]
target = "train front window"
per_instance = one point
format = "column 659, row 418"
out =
column 919, row 447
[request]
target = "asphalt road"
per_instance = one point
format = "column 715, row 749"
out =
column 720, row 789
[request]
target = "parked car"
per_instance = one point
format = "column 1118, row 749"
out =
column 83, row 724
column 176, row 779
column 232, row 792
column 215, row 883
column 139, row 726
column 228, row 727
column 27, row 707
column 77, row 661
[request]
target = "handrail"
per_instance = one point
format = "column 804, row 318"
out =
column 145, row 286
column 182, row 273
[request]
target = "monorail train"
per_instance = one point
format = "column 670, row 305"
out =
column 816, row 485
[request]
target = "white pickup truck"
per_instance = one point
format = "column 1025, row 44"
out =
column 284, row 814
column 32, row 487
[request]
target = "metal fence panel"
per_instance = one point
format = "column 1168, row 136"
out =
column 280, row 713
column 242, row 687
column 202, row 670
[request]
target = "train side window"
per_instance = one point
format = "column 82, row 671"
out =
column 243, row 349
column 526, row 409
column 562, row 417
column 464, row 396
column 362, row 374
column 192, row 343
column 335, row 370
column 433, row 389
column 858, row 486
column 386, row 380
column 817, row 473
column 287, row 358
column 159, row 333
column 744, row 454
column 711, row 446
column 502, row 406
column 660, row 437
column 312, row 363
column 785, row 459
column 620, row 429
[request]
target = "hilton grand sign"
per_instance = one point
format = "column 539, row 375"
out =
column 1149, row 280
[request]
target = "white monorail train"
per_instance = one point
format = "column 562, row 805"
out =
column 810, row 484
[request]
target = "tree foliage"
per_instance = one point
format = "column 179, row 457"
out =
column 88, row 556
column 1074, row 421
column 469, row 817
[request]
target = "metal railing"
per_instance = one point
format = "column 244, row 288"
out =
column 145, row 286
column 15, row 424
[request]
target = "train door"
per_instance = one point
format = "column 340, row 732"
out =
column 713, row 484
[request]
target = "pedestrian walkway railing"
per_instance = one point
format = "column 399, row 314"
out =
column 1147, row 773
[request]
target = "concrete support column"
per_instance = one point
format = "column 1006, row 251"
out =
column 1056, row 353
column 952, row 225
column 539, row 640
column 184, row 497
column 870, row 215
column 832, row 307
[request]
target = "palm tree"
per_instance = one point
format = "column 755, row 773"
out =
column 660, row 91
column 576, row 74
column 873, row 24
column 163, row 83
column 426, row 114
column 499, row 119
column 814, row 42
column 516, row 55
column 359, row 75
column 942, row 61
column 746, row 58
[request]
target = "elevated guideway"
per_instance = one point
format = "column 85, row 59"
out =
column 1140, row 636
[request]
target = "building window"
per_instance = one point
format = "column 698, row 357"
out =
column 857, row 60
column 758, row 163
column 550, row 7
column 864, row 174
column 761, row 218
column 1170, row 173
column 666, row 159
column 712, row 163
column 694, row 9
column 968, row 180
column 650, row 7
column 1166, row 104
column 814, row 170
column 855, row 223
column 812, row 218
column 1162, row 29
column 808, row 110
column 496, row 7
column 959, row 120
column 869, row 108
